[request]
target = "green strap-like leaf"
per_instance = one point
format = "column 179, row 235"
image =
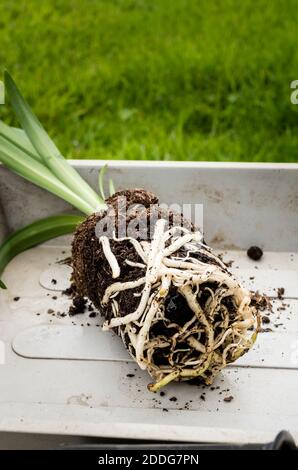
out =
column 19, row 138
column 30, row 169
column 112, row 189
column 101, row 176
column 34, row 234
column 47, row 149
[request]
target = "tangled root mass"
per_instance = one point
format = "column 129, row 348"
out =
column 179, row 311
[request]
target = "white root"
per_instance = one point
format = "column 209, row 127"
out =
column 150, row 278
column 115, row 308
column 195, row 307
column 222, row 340
column 110, row 257
column 196, row 236
column 143, row 334
column 135, row 265
column 131, row 317
column 120, row 286
column 194, row 343
column 166, row 267
column 165, row 285
column 173, row 263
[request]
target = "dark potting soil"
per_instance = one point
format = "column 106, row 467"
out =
column 92, row 315
column 78, row 306
column 280, row 292
column 228, row 399
column 255, row 253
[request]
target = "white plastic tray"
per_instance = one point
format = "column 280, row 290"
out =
column 60, row 377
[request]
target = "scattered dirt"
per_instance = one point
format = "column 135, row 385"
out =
column 66, row 261
column 63, row 314
column 229, row 263
column 70, row 291
column 228, row 399
column 16, row 299
column 255, row 253
column 265, row 319
column 280, row 293
column 78, row 306
column 261, row 302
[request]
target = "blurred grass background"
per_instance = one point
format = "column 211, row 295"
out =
column 158, row 79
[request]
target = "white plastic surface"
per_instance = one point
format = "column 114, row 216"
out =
column 63, row 375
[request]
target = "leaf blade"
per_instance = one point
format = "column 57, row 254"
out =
column 32, row 170
column 112, row 189
column 101, row 176
column 47, row 149
column 18, row 138
column 34, row 234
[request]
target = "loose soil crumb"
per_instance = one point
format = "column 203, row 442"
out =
column 230, row 263
column 66, row 261
column 280, row 292
column 53, row 281
column 255, row 253
column 16, row 299
column 130, row 375
column 78, row 306
column 173, row 399
column 228, row 399
column 261, row 302
column 70, row 291
column 265, row 319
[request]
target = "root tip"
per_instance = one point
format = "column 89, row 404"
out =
column 151, row 387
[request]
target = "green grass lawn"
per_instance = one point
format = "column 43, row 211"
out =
column 158, row 79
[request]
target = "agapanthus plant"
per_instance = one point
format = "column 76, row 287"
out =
column 179, row 311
